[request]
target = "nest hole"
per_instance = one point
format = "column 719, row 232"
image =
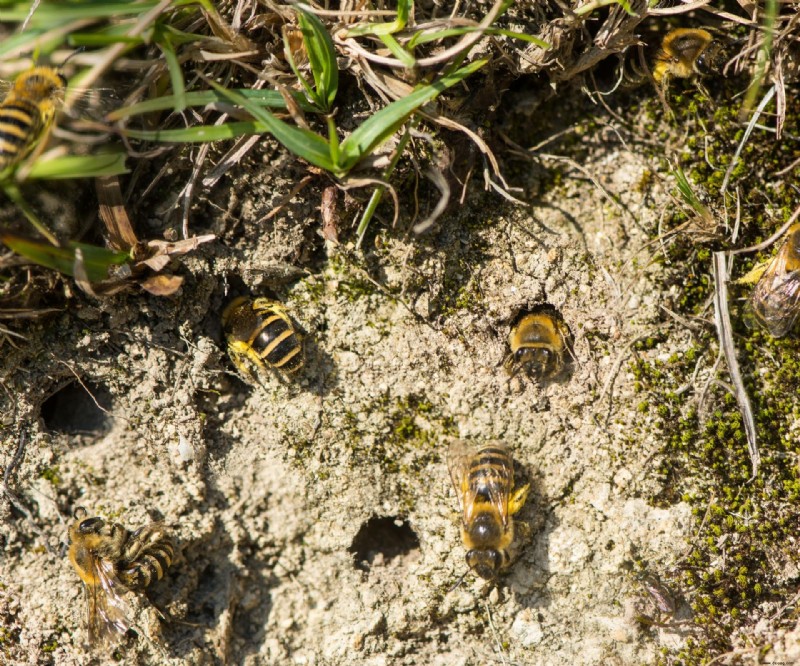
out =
column 78, row 410
column 382, row 539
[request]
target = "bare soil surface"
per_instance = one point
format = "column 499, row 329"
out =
column 315, row 520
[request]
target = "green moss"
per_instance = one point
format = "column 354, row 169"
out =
column 741, row 540
column 50, row 645
column 51, row 474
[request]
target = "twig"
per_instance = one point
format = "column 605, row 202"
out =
column 771, row 239
column 724, row 333
column 438, row 179
column 750, row 126
column 615, row 368
column 494, row 634
column 679, row 9
column 459, row 48
column 588, row 174
column 19, row 454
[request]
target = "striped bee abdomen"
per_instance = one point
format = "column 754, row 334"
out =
column 20, row 124
column 278, row 345
column 150, row 565
column 491, row 471
column 261, row 332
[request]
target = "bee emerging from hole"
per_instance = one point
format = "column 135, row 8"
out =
column 539, row 346
column 260, row 331
column 775, row 304
column 685, row 52
column 484, row 481
column 109, row 560
column 28, row 111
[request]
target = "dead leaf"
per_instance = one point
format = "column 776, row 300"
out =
column 162, row 285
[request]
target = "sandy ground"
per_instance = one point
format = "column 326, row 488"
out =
column 315, row 521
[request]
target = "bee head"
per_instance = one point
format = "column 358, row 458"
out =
column 41, row 83
column 87, row 525
column 486, row 563
column 91, row 525
column 534, row 360
column 710, row 60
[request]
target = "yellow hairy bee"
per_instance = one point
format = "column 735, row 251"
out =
column 539, row 345
column 28, row 111
column 684, row 52
column 484, row 481
column 775, row 304
column 260, row 331
column 110, row 559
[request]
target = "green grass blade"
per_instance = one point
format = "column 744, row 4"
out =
column 398, row 51
column 199, row 133
column 321, row 57
column 267, row 98
column 311, row 147
column 164, row 43
column 519, row 35
column 80, row 166
column 377, row 194
column 379, row 127
column 311, row 93
column 12, row 192
column 97, row 260
column 50, row 14
column 770, row 13
column 404, row 9
column 333, row 141
column 596, row 4
column 425, row 37
column 689, row 196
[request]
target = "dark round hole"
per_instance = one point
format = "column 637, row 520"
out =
column 73, row 410
column 387, row 536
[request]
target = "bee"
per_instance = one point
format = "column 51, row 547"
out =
column 659, row 592
column 684, row 52
column 110, row 559
column 775, row 303
column 661, row 598
column 261, row 331
column 539, row 345
column 28, row 111
column 484, row 481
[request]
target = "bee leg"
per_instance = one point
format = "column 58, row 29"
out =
column 275, row 373
column 508, row 366
column 522, row 537
column 239, row 353
column 117, row 538
column 262, row 304
column 518, row 498
column 522, row 531
column 703, row 90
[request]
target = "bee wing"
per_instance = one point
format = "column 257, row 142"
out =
column 459, row 454
column 90, row 103
column 690, row 46
column 108, row 613
column 459, row 459
column 499, row 492
column 776, row 298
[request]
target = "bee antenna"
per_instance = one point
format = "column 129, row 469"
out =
column 80, row 49
column 459, row 581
